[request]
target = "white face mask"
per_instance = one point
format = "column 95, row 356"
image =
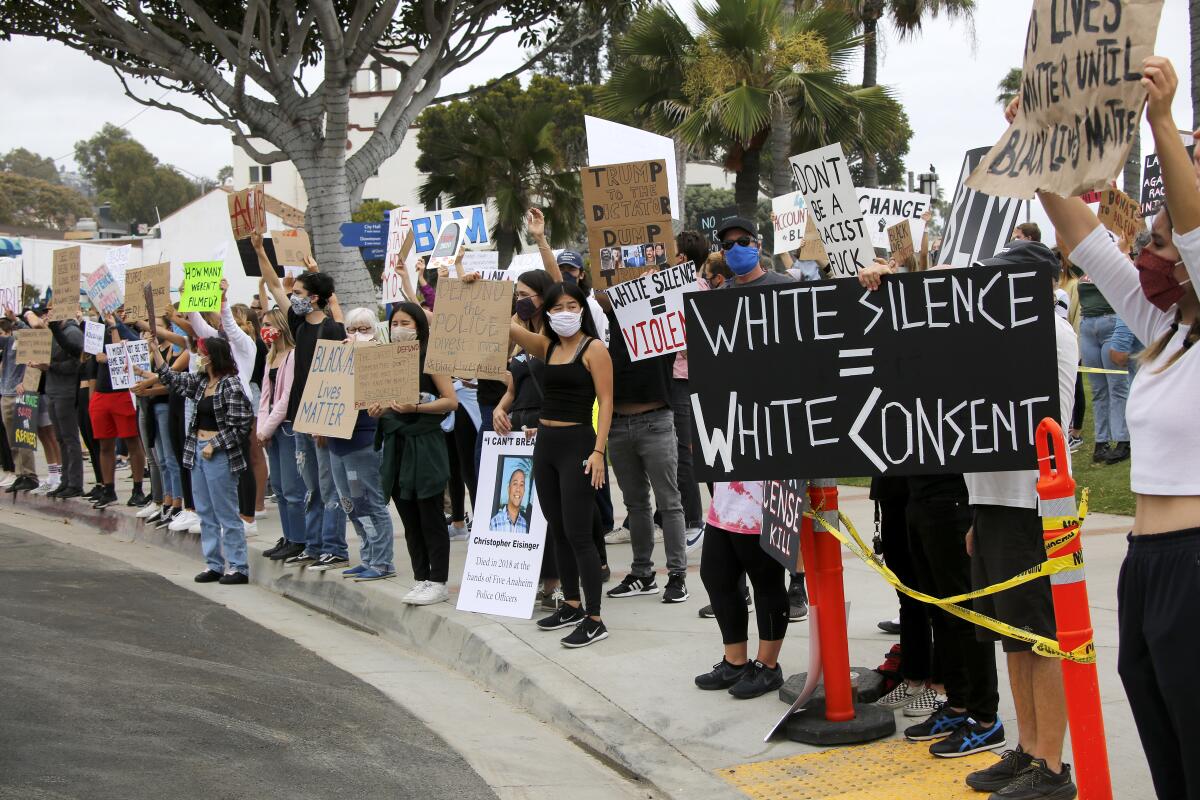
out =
column 566, row 323
column 363, row 337
column 404, row 334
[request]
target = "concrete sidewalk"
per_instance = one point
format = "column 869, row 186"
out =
column 631, row 699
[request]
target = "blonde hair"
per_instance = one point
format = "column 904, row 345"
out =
column 279, row 322
column 1156, row 349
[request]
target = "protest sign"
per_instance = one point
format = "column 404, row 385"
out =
column 201, row 286
column 247, row 212
column 791, row 217
column 812, row 249
column 426, row 225
column 1122, row 215
column 249, row 258
column 508, row 532
column 159, row 278
column 711, row 221
column 444, row 253
column 936, row 372
column 103, row 291
column 1081, row 99
column 148, row 299
column 611, row 142
column 117, row 261
column 823, row 177
column 26, row 414
column 884, row 208
column 650, row 311
column 327, row 405
column 1154, row 194
column 386, row 374
column 469, row 334
column 978, row 224
column 64, row 283
column 93, row 337
column 399, row 241
column 627, row 210
column 487, row 264
column 900, row 245
column 33, row 345
column 10, row 284
column 291, row 246
column 784, row 504
column 123, row 359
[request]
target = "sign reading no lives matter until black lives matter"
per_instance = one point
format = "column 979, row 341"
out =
column 941, row 371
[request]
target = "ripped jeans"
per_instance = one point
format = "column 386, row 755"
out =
column 356, row 475
column 324, row 520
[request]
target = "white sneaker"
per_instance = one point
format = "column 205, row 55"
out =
column 45, row 487
column 195, row 526
column 261, row 514
column 251, row 527
column 183, row 521
column 899, row 697
column 413, row 592
column 457, row 533
column 150, row 510
column 617, row 536
column 430, row 594
column 9, row 481
column 924, row 704
column 694, row 538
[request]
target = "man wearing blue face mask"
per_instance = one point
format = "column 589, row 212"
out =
column 743, row 253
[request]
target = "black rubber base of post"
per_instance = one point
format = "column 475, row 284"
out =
column 870, row 722
column 866, row 686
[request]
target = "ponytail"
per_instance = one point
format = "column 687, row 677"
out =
column 1155, row 350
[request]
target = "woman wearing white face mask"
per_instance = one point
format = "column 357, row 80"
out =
column 1159, row 588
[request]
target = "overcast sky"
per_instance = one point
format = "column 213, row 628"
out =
column 945, row 79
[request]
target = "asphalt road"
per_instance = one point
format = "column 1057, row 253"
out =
column 115, row 683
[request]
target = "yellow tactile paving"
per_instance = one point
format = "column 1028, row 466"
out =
column 892, row 770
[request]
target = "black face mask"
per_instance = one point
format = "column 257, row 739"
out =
column 569, row 277
column 525, row 309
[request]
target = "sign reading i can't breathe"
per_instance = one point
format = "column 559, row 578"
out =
column 650, row 311
column 936, row 372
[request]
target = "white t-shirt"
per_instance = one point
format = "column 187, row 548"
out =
column 599, row 318
column 737, row 507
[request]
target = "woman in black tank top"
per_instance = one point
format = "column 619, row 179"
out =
column 568, row 457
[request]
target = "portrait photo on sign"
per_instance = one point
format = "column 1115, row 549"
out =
column 634, row 255
column 513, row 497
column 610, row 260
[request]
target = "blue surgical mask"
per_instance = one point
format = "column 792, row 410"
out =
column 741, row 259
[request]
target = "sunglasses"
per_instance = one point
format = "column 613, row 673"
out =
column 744, row 241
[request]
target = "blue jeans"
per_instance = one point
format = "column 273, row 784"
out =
column 1109, row 392
column 324, row 520
column 356, row 475
column 222, row 535
column 287, row 483
column 171, row 474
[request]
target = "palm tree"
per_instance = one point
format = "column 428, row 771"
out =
column 516, row 164
column 752, row 68
column 1009, row 87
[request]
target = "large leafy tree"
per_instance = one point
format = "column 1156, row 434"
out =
column 30, row 164
column 277, row 75
column 38, row 203
column 589, row 61
column 126, row 175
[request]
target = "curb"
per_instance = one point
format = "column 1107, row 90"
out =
column 471, row 644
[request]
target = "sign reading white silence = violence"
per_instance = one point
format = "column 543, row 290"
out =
column 936, row 372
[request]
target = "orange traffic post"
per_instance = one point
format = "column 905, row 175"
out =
column 827, row 569
column 1062, row 536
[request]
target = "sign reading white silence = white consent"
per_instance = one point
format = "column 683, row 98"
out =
column 650, row 311
column 936, row 372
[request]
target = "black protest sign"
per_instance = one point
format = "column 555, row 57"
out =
column 1154, row 194
column 782, row 513
column 936, row 372
column 249, row 257
column 710, row 221
column 978, row 224
column 26, row 413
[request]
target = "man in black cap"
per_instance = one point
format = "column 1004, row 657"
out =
column 743, row 254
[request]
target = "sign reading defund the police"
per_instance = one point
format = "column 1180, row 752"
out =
column 650, row 311
column 942, row 371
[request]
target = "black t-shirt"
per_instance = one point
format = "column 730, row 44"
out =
column 944, row 488
column 490, row 392
column 645, row 381
column 260, row 362
column 306, row 336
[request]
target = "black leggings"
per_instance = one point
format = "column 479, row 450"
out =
column 725, row 560
column 247, row 485
column 916, row 635
column 550, row 552
column 1157, row 597
column 569, row 504
column 455, row 486
column 85, row 430
column 175, row 432
column 426, row 536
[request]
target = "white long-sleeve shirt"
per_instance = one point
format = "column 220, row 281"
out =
column 240, row 343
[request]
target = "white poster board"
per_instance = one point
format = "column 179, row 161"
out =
column 650, row 311
column 487, row 264
column 790, row 220
column 123, row 357
column 426, row 225
column 10, row 284
column 117, row 261
column 93, row 337
column 884, row 208
column 613, row 143
column 508, row 532
column 398, row 228
column 823, row 177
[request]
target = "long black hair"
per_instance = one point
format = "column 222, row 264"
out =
column 220, row 357
column 553, row 295
column 418, row 316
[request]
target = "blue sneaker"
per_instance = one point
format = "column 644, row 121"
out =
column 970, row 739
column 354, row 572
column 373, row 574
column 940, row 724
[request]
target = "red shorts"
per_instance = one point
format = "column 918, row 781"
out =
column 113, row 415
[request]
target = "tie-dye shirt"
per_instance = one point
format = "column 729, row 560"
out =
column 737, row 507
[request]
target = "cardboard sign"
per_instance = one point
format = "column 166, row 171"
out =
column 784, row 504
column 93, row 337
column 201, row 286
column 399, row 242
column 25, row 412
column 791, row 221
column 627, row 209
column 824, row 179
column 978, row 224
column 291, row 216
column 426, row 225
column 650, row 311
column 936, row 372
column 327, row 405
column 1081, row 99
column 1154, row 194
column 884, row 208
column 292, row 246
column 64, row 283
column 1122, row 215
column 247, row 212
column 900, row 245
column 611, row 142
column 10, row 284
column 159, row 278
column 813, row 248
column 508, row 532
column 33, row 345
column 469, row 334
column 117, row 261
column 103, row 291
column 386, row 374
column 123, row 359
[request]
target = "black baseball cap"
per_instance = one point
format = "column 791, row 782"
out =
column 730, row 223
column 1023, row 253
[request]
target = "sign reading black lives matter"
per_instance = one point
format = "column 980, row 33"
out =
column 978, row 224
column 936, row 372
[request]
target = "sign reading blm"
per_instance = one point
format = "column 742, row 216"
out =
column 936, row 372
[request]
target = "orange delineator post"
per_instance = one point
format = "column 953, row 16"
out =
column 825, row 565
column 1056, row 490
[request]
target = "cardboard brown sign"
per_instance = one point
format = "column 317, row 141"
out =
column 327, row 405
column 386, row 374
column 64, row 283
column 290, row 215
column 159, row 278
column 292, row 246
column 1081, row 99
column 1122, row 215
column 900, row 242
column 33, row 345
column 627, row 208
column 469, row 334
column 813, row 248
column 247, row 212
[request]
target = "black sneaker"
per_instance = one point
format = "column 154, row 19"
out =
column 94, row 493
column 275, row 549
column 1039, row 783
column 1117, row 453
column 723, row 676
column 797, row 601
column 941, row 723
column 234, row 579
column 970, row 739
column 289, row 551
column 208, row 576
column 138, row 499
column 757, row 679
column 23, row 484
column 708, row 613
column 589, row 631
column 106, row 499
column 167, row 517
column 564, row 617
column 676, row 591
column 1100, row 454
column 68, row 492
column 327, row 562
column 301, row 559
column 633, row 586
column 605, row 574
column 1011, row 764
column 889, row 626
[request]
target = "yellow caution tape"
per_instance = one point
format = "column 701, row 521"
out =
column 1101, row 371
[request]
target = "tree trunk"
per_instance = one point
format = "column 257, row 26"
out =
column 745, row 185
column 1194, row 25
column 1133, row 166
column 507, row 243
column 870, row 24
column 329, row 205
column 779, row 142
column 681, row 157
